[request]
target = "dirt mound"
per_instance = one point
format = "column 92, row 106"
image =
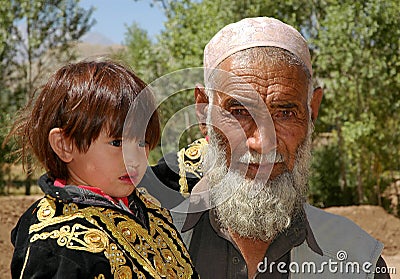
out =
column 375, row 221
column 372, row 219
column 11, row 208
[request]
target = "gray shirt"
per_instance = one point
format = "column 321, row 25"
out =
column 215, row 255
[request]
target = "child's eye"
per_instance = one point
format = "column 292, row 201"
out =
column 116, row 143
column 143, row 143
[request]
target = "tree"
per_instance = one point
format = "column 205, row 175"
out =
column 45, row 36
column 358, row 63
column 137, row 51
column 41, row 35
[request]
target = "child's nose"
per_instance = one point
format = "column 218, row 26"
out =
column 133, row 153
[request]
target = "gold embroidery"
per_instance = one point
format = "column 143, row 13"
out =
column 164, row 212
column 139, row 274
column 135, row 240
column 101, row 276
column 70, row 208
column 124, row 272
column 193, row 164
column 61, row 219
column 77, row 238
column 146, row 244
column 138, row 243
column 116, row 258
column 148, row 197
column 26, row 260
column 47, row 209
column 162, row 225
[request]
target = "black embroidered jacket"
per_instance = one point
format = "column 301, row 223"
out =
column 74, row 233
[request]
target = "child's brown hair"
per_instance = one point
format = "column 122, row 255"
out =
column 83, row 98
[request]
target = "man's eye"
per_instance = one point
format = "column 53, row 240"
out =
column 240, row 112
column 285, row 114
column 116, row 143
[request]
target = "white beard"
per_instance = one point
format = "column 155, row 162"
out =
column 252, row 208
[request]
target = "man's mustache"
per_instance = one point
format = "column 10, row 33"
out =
column 252, row 157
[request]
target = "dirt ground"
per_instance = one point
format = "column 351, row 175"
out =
column 372, row 219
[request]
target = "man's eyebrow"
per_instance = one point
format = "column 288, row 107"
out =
column 234, row 102
column 286, row 105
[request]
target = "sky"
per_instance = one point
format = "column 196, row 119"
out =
column 113, row 16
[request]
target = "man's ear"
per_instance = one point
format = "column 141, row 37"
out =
column 61, row 145
column 201, row 107
column 315, row 103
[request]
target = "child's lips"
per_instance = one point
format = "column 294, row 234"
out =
column 130, row 178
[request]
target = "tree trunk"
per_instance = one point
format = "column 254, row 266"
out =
column 378, row 171
column 360, row 188
column 28, row 179
column 342, row 166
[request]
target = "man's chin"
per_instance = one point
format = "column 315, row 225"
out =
column 251, row 208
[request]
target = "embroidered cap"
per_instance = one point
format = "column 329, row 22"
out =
column 254, row 32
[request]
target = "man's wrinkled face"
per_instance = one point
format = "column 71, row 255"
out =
column 260, row 140
column 258, row 109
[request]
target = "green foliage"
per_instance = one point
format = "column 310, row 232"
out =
column 4, row 153
column 137, row 51
column 325, row 189
column 357, row 62
column 41, row 36
column 36, row 36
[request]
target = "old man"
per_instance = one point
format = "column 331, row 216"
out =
column 257, row 108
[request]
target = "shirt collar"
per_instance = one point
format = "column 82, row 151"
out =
column 191, row 220
column 121, row 201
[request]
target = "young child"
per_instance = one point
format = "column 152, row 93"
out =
column 92, row 222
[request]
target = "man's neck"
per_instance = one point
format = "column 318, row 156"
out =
column 253, row 251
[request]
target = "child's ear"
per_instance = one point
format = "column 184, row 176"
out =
column 61, row 145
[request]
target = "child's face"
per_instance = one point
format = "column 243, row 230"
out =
column 103, row 165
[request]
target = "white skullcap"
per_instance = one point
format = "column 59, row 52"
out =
column 254, row 32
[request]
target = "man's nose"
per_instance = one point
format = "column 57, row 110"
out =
column 262, row 139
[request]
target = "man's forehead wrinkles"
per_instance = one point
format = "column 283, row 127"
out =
column 262, row 79
column 254, row 93
column 283, row 88
column 260, row 83
column 235, row 80
column 235, row 85
column 245, row 83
